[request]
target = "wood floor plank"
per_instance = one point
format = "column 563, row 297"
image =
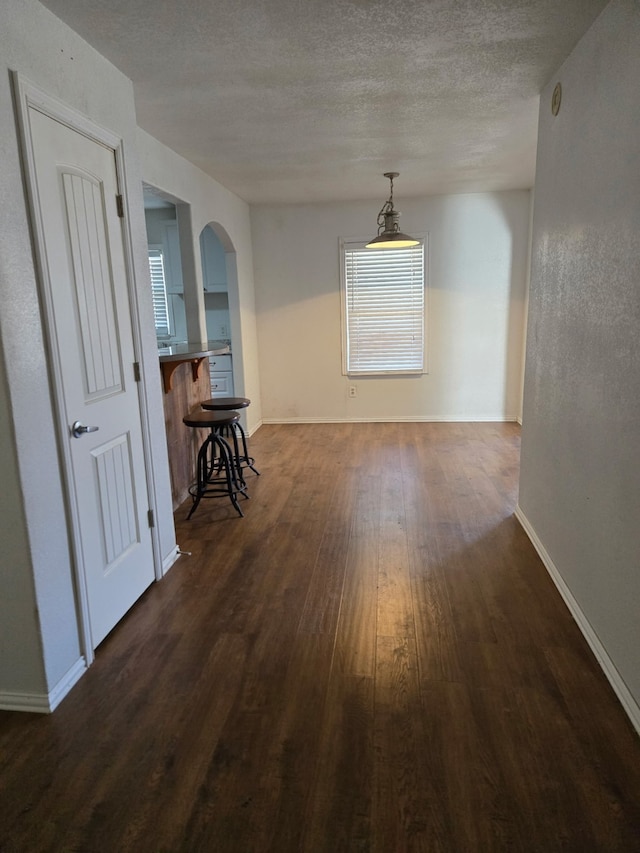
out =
column 324, row 594
column 408, row 810
column 295, row 748
column 354, row 653
column 372, row 659
column 395, row 603
column 338, row 816
column 474, row 792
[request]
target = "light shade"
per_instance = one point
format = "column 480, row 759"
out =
column 389, row 235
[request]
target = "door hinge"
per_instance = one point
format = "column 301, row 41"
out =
column 136, row 371
column 151, row 519
column 120, row 206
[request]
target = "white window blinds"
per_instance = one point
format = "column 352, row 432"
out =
column 159, row 292
column 384, row 301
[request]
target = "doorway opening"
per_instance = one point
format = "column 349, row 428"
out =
column 222, row 309
column 165, row 265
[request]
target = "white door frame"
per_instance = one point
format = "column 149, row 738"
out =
column 28, row 96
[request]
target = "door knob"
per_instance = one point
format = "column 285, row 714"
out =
column 79, row 429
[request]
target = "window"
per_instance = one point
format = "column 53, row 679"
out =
column 383, row 300
column 159, row 293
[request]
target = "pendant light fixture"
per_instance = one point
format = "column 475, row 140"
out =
column 389, row 235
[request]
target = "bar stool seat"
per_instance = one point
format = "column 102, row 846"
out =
column 218, row 471
column 223, row 404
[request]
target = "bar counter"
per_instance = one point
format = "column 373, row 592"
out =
column 173, row 355
column 186, row 384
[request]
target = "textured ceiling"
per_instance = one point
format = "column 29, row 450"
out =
column 312, row 100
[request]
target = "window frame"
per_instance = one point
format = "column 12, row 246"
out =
column 356, row 243
column 159, row 248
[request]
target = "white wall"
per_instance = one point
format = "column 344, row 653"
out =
column 580, row 474
column 208, row 202
column 476, row 277
column 40, row 651
column 38, row 629
column 39, row 639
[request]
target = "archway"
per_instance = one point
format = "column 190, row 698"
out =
column 222, row 306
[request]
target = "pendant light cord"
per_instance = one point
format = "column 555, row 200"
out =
column 387, row 207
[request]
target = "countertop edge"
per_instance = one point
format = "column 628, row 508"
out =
column 190, row 353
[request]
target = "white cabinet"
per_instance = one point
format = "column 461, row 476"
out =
column 221, row 374
column 222, row 385
column 173, row 261
column 214, row 262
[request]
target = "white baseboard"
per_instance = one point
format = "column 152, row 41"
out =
column 170, row 559
column 408, row 420
column 44, row 703
column 255, row 428
column 623, row 693
column 38, row 703
column 66, row 683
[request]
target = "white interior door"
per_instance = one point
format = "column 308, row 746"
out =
column 84, row 262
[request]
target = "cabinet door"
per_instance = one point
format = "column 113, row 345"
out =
column 214, row 262
column 173, row 266
column 222, row 384
column 219, row 363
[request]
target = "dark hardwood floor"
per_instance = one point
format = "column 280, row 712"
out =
column 373, row 659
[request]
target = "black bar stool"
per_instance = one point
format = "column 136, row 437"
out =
column 225, row 404
column 218, row 472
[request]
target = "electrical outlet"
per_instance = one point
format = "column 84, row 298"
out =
column 353, row 390
column 224, row 331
